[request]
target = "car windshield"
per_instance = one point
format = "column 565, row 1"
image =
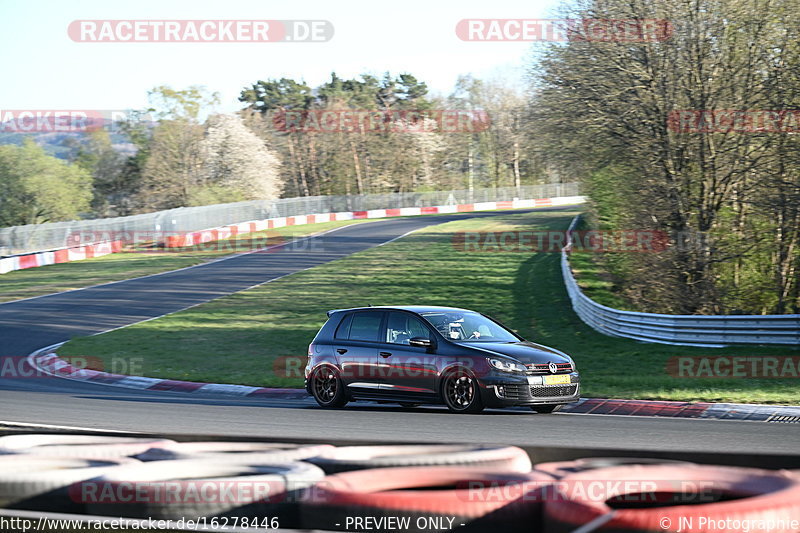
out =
column 466, row 326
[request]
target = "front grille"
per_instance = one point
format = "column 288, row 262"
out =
column 515, row 392
column 543, row 368
column 552, row 391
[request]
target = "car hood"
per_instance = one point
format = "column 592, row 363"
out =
column 525, row 352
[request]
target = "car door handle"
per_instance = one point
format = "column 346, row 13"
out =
column 341, row 350
column 386, row 354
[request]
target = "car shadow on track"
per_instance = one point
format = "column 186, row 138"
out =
column 203, row 400
column 293, row 404
column 428, row 409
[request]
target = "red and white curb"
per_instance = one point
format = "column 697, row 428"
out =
column 48, row 362
column 671, row 409
column 87, row 251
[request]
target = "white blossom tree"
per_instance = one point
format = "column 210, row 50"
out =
column 236, row 163
column 426, row 140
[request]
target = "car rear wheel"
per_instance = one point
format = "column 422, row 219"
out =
column 327, row 387
column 546, row 408
column 460, row 392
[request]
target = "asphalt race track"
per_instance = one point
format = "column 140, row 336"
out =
column 28, row 325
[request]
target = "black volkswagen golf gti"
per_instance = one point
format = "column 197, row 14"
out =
column 421, row 355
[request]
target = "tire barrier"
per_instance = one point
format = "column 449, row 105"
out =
column 403, row 488
column 84, row 446
column 171, row 490
column 41, row 483
column 690, row 498
column 346, row 458
column 560, row 469
column 234, row 452
column 426, row 499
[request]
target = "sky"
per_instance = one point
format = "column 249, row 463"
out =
column 44, row 69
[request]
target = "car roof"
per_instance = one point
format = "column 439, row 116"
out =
column 412, row 308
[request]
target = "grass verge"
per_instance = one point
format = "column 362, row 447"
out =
column 594, row 277
column 595, row 281
column 241, row 338
column 132, row 264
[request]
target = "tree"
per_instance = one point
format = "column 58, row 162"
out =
column 110, row 182
column 173, row 167
column 169, row 103
column 236, row 165
column 36, row 187
column 283, row 94
column 264, row 99
column 603, row 109
column 343, row 162
column 138, row 128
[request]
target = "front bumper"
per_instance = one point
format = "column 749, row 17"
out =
column 507, row 390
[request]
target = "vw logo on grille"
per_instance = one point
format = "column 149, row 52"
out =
column 553, row 368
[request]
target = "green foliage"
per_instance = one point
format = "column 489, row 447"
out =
column 277, row 94
column 181, row 104
column 240, row 338
column 113, row 182
column 729, row 201
column 36, row 187
column 409, row 154
column 214, row 194
column 609, row 190
column 131, row 264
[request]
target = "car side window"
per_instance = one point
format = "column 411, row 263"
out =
column 366, row 326
column 343, row 331
column 401, row 327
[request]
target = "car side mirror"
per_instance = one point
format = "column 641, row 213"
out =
column 422, row 342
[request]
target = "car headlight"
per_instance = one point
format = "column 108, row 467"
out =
column 506, row 365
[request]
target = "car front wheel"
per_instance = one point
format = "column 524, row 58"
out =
column 460, row 392
column 327, row 388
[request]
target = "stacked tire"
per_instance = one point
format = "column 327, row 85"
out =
column 42, row 483
column 400, row 488
column 347, row 458
column 192, row 488
column 644, row 498
column 425, row 488
column 420, row 499
column 155, row 478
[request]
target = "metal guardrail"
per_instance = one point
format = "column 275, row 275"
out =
column 33, row 238
column 713, row 331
